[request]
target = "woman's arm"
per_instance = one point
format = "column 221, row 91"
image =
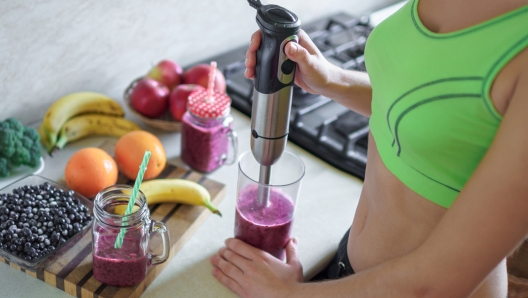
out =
column 316, row 75
column 486, row 222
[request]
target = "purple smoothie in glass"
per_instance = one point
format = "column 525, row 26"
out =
column 204, row 142
column 123, row 267
column 267, row 228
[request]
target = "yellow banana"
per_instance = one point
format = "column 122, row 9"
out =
column 44, row 139
column 74, row 104
column 93, row 124
column 177, row 191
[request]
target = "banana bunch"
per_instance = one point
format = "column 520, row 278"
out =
column 178, row 191
column 82, row 114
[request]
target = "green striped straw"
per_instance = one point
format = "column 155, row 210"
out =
column 131, row 201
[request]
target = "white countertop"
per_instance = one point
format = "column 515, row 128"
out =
column 326, row 207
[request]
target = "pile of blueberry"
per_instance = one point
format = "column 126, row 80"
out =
column 36, row 220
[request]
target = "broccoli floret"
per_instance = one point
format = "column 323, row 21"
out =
column 16, row 126
column 34, row 156
column 19, row 145
column 21, row 156
column 8, row 139
column 26, row 142
column 32, row 134
column 4, row 167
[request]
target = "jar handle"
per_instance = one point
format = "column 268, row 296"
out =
column 159, row 227
column 233, row 137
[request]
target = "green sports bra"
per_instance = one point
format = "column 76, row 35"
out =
column 432, row 116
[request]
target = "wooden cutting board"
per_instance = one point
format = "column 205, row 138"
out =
column 72, row 272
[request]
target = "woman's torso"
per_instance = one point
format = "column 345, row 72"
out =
column 392, row 220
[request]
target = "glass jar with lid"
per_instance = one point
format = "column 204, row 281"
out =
column 207, row 138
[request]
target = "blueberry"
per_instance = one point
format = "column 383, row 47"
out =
column 40, row 232
column 31, row 251
column 26, row 232
column 55, row 237
column 47, row 242
column 13, row 247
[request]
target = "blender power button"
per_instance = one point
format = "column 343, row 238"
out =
column 287, row 67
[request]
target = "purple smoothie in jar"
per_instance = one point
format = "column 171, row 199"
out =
column 206, row 131
column 123, row 267
column 204, row 141
column 266, row 228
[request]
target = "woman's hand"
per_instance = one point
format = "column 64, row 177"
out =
column 251, row 272
column 313, row 70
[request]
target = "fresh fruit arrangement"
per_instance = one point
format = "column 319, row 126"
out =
column 19, row 146
column 90, row 170
column 162, row 93
column 82, row 114
column 35, row 220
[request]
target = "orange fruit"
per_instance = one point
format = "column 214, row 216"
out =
column 129, row 152
column 89, row 170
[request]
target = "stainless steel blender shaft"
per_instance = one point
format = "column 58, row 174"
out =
column 264, row 178
column 270, row 120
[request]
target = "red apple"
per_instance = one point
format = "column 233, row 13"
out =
column 167, row 72
column 178, row 99
column 150, row 98
column 199, row 74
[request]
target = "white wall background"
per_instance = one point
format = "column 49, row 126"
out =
column 50, row 48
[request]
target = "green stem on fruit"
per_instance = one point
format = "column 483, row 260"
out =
column 61, row 142
column 213, row 208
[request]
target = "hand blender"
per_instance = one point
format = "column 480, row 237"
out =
column 274, row 74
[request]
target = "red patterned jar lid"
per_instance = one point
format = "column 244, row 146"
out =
column 210, row 106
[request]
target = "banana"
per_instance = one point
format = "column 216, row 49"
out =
column 44, row 140
column 93, row 124
column 74, row 104
column 177, row 191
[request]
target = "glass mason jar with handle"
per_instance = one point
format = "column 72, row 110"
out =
column 207, row 135
column 125, row 266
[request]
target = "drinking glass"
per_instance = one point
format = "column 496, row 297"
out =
column 265, row 212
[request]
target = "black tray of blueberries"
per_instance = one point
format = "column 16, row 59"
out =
column 40, row 220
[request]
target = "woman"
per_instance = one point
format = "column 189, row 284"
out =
column 445, row 198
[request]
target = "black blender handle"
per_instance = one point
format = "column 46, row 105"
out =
column 269, row 65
